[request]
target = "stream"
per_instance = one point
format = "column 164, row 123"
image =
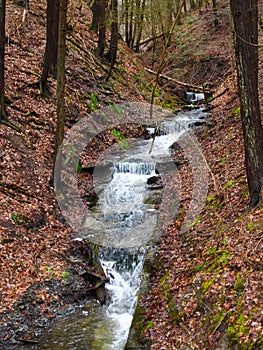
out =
column 123, row 224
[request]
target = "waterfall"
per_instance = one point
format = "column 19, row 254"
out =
column 123, row 226
column 140, row 168
column 193, row 97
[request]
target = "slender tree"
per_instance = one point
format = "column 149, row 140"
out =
column 61, row 58
column 95, row 17
column 51, row 51
column 3, row 113
column 114, row 32
column 140, row 25
column 245, row 21
column 101, row 26
column 114, row 36
column 216, row 22
column 126, row 21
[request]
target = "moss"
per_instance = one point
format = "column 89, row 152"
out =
column 217, row 320
column 215, row 260
column 237, row 329
column 176, row 314
column 20, row 219
column 138, row 328
column 240, row 283
column 235, row 111
column 207, row 284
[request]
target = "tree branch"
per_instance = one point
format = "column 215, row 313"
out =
column 196, row 87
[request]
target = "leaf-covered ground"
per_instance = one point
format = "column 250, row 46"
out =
column 206, row 291
column 207, row 285
column 37, row 278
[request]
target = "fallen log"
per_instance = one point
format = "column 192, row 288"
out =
column 195, row 87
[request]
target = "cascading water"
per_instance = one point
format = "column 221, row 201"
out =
column 122, row 224
column 125, row 222
column 194, row 97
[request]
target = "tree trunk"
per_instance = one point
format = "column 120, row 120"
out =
column 102, row 27
column 140, row 26
column 245, row 20
column 3, row 113
column 50, row 57
column 192, row 4
column 114, row 36
column 95, row 18
column 114, row 33
column 130, row 30
column 215, row 14
column 61, row 58
column 126, row 21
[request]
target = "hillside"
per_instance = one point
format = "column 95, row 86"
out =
column 205, row 292
column 206, row 289
column 34, row 237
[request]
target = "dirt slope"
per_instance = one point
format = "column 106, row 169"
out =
column 36, row 278
column 206, row 289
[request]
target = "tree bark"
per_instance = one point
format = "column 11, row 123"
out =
column 101, row 27
column 51, row 50
column 61, row 58
column 114, row 33
column 140, row 26
column 95, row 18
column 245, row 20
column 215, row 14
column 3, row 113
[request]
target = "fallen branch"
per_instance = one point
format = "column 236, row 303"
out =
column 145, row 42
column 86, row 273
column 11, row 125
column 92, row 58
column 27, row 340
column 36, row 256
column 14, row 190
column 196, row 87
column 219, row 95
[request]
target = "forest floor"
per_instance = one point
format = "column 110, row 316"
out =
column 206, row 290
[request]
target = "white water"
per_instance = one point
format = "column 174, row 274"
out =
column 122, row 220
column 123, row 290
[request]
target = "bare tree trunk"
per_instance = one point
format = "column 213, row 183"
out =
column 192, row 4
column 114, row 33
column 126, row 24
column 50, row 57
column 215, row 14
column 3, row 113
column 102, row 27
column 185, row 7
column 131, row 22
column 95, row 18
column 114, row 36
column 61, row 58
column 245, row 19
column 140, row 26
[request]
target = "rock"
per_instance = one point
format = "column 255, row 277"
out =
column 153, row 180
column 101, row 295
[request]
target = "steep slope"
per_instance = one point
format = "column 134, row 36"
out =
column 206, row 288
column 36, row 277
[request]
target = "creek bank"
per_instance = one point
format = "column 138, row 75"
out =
column 46, row 302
